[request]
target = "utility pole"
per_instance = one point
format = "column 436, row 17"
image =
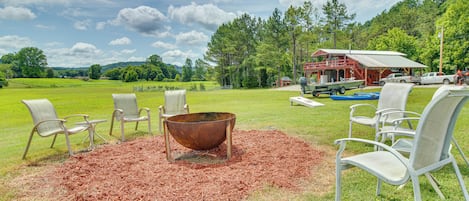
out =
column 441, row 36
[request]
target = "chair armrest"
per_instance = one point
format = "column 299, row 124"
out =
column 397, row 133
column 356, row 106
column 342, row 142
column 161, row 109
column 186, row 107
column 405, row 112
column 62, row 121
column 146, row 109
column 352, row 107
column 48, row 120
column 387, row 110
column 85, row 116
column 397, row 121
column 119, row 112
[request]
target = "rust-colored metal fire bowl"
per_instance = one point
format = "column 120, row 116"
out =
column 200, row 131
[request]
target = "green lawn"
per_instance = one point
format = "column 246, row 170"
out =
column 255, row 109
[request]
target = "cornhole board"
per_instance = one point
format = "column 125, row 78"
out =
column 304, row 101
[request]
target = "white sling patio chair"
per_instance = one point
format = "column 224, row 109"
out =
column 174, row 104
column 393, row 96
column 405, row 144
column 127, row 110
column 47, row 123
column 429, row 152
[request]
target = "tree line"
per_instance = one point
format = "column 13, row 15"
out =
column 30, row 62
column 253, row 52
column 250, row 52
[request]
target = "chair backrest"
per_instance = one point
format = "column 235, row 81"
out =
column 42, row 109
column 446, row 87
column 174, row 101
column 394, row 95
column 435, row 129
column 127, row 103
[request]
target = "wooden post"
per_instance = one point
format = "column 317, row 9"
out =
column 441, row 50
column 166, row 142
column 228, row 140
column 366, row 76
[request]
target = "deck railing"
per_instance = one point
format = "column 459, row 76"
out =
column 328, row 64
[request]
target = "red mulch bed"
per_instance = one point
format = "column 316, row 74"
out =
column 138, row 169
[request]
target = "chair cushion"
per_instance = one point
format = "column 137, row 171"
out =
column 142, row 118
column 364, row 120
column 382, row 164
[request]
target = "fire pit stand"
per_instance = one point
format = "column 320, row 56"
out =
column 199, row 131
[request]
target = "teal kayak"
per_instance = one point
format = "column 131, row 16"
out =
column 357, row 96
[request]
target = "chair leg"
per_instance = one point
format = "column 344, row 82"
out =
column 122, row 131
column 416, row 186
column 53, row 141
column 136, row 125
column 337, row 182
column 112, row 125
column 67, row 140
column 460, row 179
column 149, row 126
column 350, row 129
column 27, row 145
column 434, row 184
column 460, row 151
column 378, row 187
column 160, row 122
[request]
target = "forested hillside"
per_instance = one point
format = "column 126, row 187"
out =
column 252, row 52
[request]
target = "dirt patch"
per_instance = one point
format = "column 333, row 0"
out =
column 138, row 170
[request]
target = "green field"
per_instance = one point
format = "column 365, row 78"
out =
column 255, row 109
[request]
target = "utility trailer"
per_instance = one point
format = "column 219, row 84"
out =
column 331, row 88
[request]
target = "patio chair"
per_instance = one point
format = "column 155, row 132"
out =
column 429, row 152
column 47, row 123
column 405, row 144
column 174, row 104
column 393, row 97
column 127, row 110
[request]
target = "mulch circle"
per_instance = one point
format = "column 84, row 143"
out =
column 138, row 169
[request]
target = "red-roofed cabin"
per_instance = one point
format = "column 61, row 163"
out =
column 331, row 65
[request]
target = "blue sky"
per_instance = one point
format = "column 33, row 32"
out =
column 79, row 33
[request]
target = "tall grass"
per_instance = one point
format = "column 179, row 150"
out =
column 255, row 109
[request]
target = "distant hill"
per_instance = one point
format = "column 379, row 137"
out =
column 111, row 66
column 121, row 64
column 105, row 67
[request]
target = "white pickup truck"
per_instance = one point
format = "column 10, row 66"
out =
column 435, row 78
column 398, row 77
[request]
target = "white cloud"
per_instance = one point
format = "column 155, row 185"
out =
column 41, row 26
column 82, row 25
column 121, row 41
column 163, row 45
column 14, row 43
column 127, row 51
column 100, row 25
column 143, row 19
column 191, row 38
column 56, row 2
column 84, row 49
column 132, row 58
column 35, row 2
column 176, row 56
column 79, row 55
column 207, row 15
column 16, row 13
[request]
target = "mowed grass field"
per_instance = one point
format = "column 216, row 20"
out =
column 255, row 109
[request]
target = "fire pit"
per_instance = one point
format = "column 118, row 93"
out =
column 200, row 131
